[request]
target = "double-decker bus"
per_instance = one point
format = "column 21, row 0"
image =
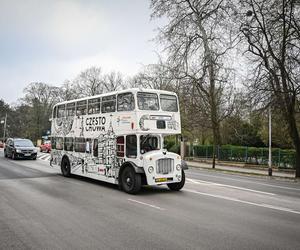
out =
column 118, row 137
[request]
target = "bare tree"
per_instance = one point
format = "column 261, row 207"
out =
column 113, row 81
column 272, row 33
column 196, row 40
column 89, row 82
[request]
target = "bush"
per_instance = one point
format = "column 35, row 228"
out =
column 281, row 158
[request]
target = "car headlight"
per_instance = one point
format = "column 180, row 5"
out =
column 178, row 167
column 150, row 169
column 35, row 150
column 18, row 151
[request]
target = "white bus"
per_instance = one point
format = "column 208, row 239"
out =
column 118, row 137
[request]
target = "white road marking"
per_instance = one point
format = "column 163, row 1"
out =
column 246, row 180
column 146, row 204
column 225, row 185
column 244, row 202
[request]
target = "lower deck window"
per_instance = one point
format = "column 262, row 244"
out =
column 131, row 146
column 80, row 145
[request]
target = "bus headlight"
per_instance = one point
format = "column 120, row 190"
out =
column 178, row 167
column 150, row 169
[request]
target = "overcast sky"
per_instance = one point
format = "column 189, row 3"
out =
column 53, row 40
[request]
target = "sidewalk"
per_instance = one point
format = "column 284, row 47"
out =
column 241, row 169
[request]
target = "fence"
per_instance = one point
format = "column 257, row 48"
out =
column 282, row 158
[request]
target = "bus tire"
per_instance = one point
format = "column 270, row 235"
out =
column 178, row 185
column 65, row 167
column 131, row 182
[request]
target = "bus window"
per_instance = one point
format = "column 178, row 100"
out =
column 108, row 104
column 131, row 146
column 79, row 145
column 120, row 146
column 71, row 109
column 68, row 144
column 81, row 107
column 95, row 148
column 125, row 102
column 147, row 101
column 54, row 112
column 94, row 106
column 168, row 103
column 61, row 111
column 59, row 143
column 53, row 143
column 148, row 143
column 88, row 146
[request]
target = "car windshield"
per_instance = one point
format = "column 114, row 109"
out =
column 23, row 143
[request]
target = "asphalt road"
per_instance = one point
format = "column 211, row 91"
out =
column 40, row 209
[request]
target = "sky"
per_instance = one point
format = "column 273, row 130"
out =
column 54, row 40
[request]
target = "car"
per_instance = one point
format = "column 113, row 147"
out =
column 20, row 148
column 46, row 147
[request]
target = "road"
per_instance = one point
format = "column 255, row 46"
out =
column 40, row 209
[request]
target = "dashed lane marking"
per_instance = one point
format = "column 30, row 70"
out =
column 244, row 202
column 146, row 204
column 200, row 182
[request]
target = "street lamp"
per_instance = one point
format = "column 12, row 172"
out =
column 4, row 127
column 270, row 143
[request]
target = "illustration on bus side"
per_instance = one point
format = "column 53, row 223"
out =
column 102, row 159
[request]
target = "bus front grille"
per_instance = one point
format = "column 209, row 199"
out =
column 165, row 166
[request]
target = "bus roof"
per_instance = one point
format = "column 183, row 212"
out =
column 133, row 90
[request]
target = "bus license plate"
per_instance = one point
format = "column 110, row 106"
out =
column 161, row 179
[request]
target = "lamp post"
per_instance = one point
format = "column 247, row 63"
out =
column 4, row 127
column 270, row 143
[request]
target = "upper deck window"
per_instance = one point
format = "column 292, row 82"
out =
column 94, row 106
column 108, row 104
column 71, row 109
column 147, row 101
column 125, row 102
column 81, row 107
column 61, row 111
column 168, row 103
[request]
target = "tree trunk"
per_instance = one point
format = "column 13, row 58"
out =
column 296, row 140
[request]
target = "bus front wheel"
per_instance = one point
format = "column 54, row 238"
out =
column 65, row 167
column 131, row 182
column 178, row 185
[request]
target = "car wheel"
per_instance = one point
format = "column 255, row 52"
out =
column 65, row 167
column 13, row 156
column 34, row 158
column 131, row 182
column 178, row 185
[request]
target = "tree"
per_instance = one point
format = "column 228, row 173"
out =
column 272, row 33
column 113, row 81
column 89, row 82
column 197, row 38
column 37, row 103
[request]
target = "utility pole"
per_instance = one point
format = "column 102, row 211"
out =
column 270, row 143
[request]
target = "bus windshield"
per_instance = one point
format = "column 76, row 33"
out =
column 168, row 103
column 147, row 101
column 149, row 143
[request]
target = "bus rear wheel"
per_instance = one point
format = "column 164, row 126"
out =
column 131, row 182
column 178, row 185
column 65, row 167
